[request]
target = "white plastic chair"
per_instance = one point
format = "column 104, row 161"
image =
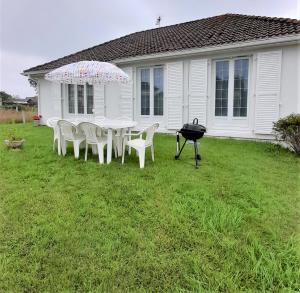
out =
column 119, row 134
column 52, row 123
column 101, row 119
column 70, row 133
column 140, row 144
column 94, row 135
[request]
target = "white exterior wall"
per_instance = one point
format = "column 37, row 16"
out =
column 290, row 81
column 49, row 100
column 115, row 96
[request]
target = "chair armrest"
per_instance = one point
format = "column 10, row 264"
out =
column 133, row 134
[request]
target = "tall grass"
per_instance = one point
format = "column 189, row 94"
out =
column 71, row 225
column 12, row 116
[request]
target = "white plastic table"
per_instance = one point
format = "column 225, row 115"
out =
column 110, row 125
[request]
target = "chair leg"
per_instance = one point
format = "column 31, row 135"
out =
column 116, row 151
column 54, row 144
column 86, row 151
column 59, row 146
column 142, row 158
column 100, row 153
column 63, row 147
column 76, row 148
column 123, row 153
column 152, row 152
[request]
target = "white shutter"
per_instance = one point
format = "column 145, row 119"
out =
column 99, row 100
column 126, row 99
column 57, row 100
column 267, row 90
column 174, row 94
column 198, row 90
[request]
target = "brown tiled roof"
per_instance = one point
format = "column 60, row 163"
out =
column 217, row 30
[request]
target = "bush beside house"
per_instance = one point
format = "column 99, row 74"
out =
column 288, row 130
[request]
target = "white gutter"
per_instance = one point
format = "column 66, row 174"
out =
column 35, row 72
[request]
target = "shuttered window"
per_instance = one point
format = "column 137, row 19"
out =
column 241, row 68
column 89, row 99
column 267, row 90
column 222, row 76
column 71, row 98
column 158, row 91
column 145, row 91
column 231, row 87
column 152, row 91
column 80, row 99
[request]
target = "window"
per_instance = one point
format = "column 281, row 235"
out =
column 71, row 98
column 152, row 91
column 80, row 99
column 158, row 91
column 231, row 88
column 89, row 99
column 145, row 91
column 240, row 87
column 222, row 75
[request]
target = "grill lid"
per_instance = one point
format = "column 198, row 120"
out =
column 193, row 126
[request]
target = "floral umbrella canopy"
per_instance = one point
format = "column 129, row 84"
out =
column 91, row 72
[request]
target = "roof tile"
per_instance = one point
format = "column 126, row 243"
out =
column 217, row 30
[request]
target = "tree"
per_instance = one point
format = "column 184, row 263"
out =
column 5, row 98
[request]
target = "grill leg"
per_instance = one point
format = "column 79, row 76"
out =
column 177, row 156
column 177, row 143
column 197, row 156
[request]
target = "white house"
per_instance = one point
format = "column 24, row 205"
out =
column 235, row 73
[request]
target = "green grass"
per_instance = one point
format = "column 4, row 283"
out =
column 69, row 225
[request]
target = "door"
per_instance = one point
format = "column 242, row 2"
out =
column 150, row 96
column 230, row 95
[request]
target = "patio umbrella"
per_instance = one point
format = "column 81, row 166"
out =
column 91, row 72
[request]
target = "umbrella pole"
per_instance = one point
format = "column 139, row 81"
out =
column 104, row 92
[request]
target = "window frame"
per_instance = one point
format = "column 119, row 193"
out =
column 151, row 112
column 76, row 100
column 231, row 61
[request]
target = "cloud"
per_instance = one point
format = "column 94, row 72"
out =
column 11, row 65
column 35, row 31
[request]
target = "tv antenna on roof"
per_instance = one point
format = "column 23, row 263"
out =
column 158, row 21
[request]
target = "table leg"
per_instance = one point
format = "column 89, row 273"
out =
column 109, row 145
column 120, row 139
column 129, row 148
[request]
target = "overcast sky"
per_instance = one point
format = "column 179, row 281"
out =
column 37, row 31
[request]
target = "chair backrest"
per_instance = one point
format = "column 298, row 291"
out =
column 150, row 133
column 52, row 122
column 91, row 131
column 67, row 129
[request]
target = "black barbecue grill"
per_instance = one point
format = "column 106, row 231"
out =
column 191, row 132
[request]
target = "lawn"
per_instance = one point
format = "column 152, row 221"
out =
column 70, row 225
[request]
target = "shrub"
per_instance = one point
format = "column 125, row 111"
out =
column 12, row 134
column 288, row 129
